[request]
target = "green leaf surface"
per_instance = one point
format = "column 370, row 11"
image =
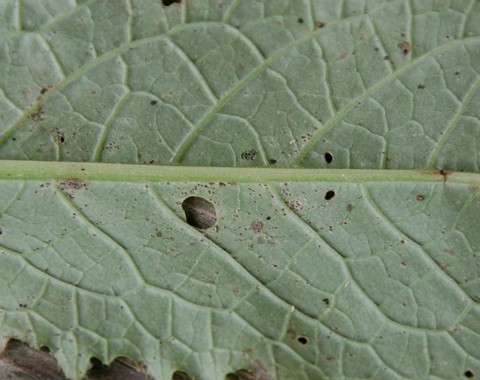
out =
column 345, row 273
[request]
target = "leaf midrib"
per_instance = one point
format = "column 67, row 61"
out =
column 51, row 170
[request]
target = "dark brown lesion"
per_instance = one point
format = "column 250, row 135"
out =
column 405, row 47
column 19, row 361
column 199, row 212
column 444, row 174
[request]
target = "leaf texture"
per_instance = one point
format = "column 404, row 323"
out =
column 376, row 84
column 297, row 279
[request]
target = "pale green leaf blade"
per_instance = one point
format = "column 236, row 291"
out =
column 372, row 84
column 304, row 280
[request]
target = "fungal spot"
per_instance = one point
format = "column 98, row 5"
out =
column 421, row 86
column 326, row 301
column 249, row 155
column 328, row 158
column 329, row 194
column 272, row 161
column 170, row 2
column 257, row 226
column 38, row 115
column 405, row 47
column 295, row 205
column 444, row 174
column 349, row 207
column 300, row 20
column 153, row 102
column 71, row 185
column 180, row 375
column 318, row 24
column 59, row 136
column 420, row 197
column 469, row 374
column 43, row 90
column 302, row 340
column 199, row 212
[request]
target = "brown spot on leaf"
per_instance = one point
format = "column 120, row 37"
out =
column 59, row 136
column 38, row 115
column 405, row 47
column 180, row 375
column 318, row 24
column 71, row 185
column 257, row 226
column 444, row 174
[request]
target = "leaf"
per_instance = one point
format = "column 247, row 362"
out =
column 138, row 82
column 305, row 274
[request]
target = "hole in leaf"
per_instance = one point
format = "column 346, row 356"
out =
column 329, row 194
column 272, row 161
column 469, row 374
column 420, row 197
column 153, row 102
column 170, row 2
column 326, row 301
column 1, row 231
column 199, row 212
column 180, row 375
column 302, row 340
column 300, row 20
column 328, row 158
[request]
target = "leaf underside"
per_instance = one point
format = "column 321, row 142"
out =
column 288, row 280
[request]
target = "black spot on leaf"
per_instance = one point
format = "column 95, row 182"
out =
column 59, row 136
column 170, row 2
column 302, row 340
column 328, row 158
column 199, row 212
column 329, row 194
column 249, row 155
